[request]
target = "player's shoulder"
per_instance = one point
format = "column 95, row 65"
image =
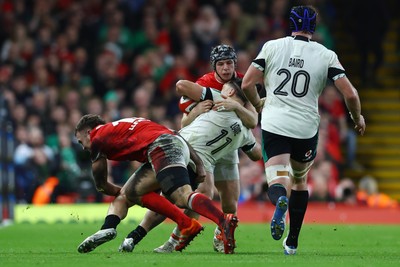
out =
column 279, row 41
column 322, row 48
column 209, row 80
column 239, row 74
column 276, row 45
column 206, row 78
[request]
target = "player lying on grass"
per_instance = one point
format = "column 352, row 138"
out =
column 212, row 134
column 167, row 154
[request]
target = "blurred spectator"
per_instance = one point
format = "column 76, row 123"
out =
column 368, row 194
column 34, row 163
column 322, row 181
column 322, row 33
column 111, row 104
column 260, row 34
column 340, row 135
column 141, row 101
column 69, row 170
column 206, row 28
column 237, row 24
column 346, row 192
column 277, row 19
column 251, row 179
column 243, row 61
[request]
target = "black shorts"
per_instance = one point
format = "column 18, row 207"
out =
column 302, row 150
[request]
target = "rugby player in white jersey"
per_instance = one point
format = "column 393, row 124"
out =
column 294, row 71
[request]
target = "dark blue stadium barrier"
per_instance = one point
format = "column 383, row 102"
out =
column 7, row 174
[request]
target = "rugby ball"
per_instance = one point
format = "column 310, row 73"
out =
column 186, row 104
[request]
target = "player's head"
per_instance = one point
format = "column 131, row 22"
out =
column 236, row 84
column 303, row 18
column 89, row 121
column 84, row 126
column 222, row 52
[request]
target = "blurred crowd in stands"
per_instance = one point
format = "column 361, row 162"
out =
column 61, row 59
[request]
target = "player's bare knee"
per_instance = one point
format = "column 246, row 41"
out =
column 180, row 196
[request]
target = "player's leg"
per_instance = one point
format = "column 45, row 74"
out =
column 150, row 220
column 229, row 192
column 228, row 185
column 169, row 159
column 276, row 153
column 116, row 212
column 206, row 188
column 301, row 162
column 298, row 202
column 202, row 205
column 140, row 190
column 278, row 177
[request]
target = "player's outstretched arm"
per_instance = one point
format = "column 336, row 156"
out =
column 100, row 175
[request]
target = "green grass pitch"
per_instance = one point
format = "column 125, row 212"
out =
column 55, row 245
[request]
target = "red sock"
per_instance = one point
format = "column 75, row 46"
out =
column 205, row 207
column 161, row 205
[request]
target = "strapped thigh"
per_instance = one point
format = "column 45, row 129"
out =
column 277, row 171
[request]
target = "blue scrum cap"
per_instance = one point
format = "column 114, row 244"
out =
column 303, row 18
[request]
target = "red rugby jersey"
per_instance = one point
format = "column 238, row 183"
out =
column 126, row 139
column 209, row 80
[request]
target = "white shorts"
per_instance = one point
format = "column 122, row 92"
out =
column 224, row 171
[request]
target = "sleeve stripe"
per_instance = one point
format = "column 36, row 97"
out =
column 333, row 72
column 248, row 148
column 259, row 64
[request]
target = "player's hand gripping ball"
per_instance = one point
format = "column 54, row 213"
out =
column 186, row 104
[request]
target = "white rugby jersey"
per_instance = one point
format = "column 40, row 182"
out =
column 295, row 73
column 215, row 134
